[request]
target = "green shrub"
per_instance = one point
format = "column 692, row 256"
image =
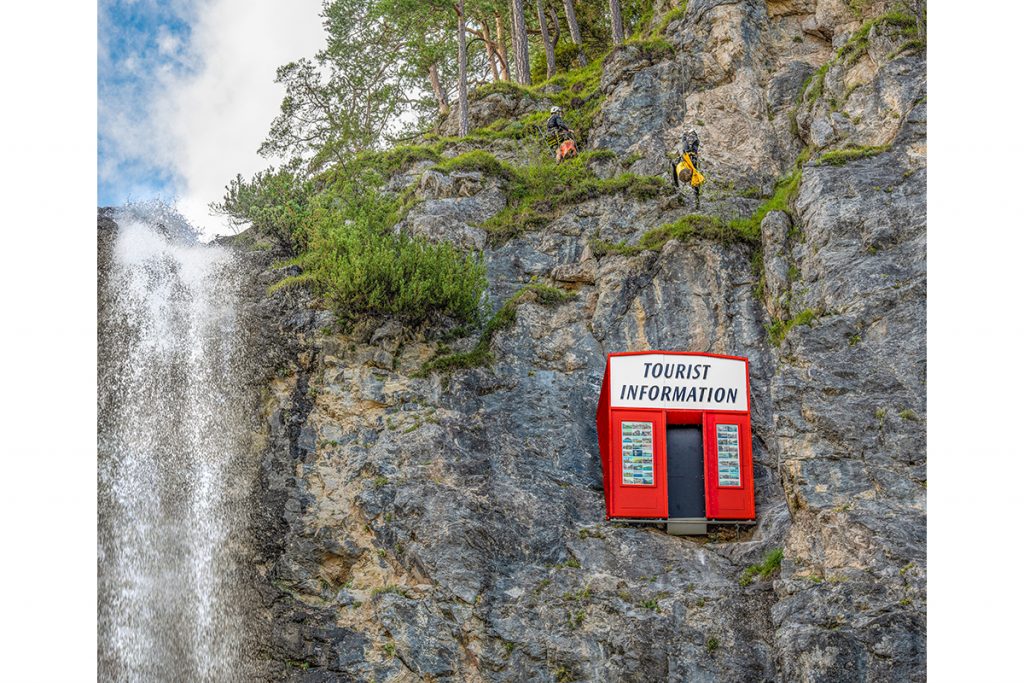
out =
column 359, row 267
column 274, row 202
column 362, row 272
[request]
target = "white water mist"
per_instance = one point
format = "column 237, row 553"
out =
column 172, row 451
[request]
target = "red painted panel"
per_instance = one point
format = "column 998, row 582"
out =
column 602, row 439
column 635, row 500
column 726, row 500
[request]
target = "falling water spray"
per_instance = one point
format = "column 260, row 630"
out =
column 174, row 466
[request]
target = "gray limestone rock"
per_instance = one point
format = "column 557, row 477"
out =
column 452, row 525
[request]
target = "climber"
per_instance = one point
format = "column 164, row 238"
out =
column 562, row 137
column 684, row 166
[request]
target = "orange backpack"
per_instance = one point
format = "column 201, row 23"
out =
column 566, row 150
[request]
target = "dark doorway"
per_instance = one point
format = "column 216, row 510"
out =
column 685, row 471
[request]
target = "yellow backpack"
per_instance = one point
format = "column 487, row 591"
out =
column 688, row 173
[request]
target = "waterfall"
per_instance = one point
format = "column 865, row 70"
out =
column 173, row 456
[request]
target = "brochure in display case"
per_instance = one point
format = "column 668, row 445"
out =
column 638, row 453
column 728, row 455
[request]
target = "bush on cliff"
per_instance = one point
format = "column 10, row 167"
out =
column 360, row 271
column 274, row 202
column 353, row 259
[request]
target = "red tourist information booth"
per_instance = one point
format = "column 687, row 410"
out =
column 674, row 431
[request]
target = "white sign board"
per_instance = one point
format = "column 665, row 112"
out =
column 660, row 380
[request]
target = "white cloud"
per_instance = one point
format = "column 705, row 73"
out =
column 205, row 125
column 167, row 42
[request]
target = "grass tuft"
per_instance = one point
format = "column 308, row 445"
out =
column 502, row 88
column 504, row 318
column 677, row 12
column 537, row 192
column 843, row 156
column 653, row 48
column 914, row 45
column 390, row 588
column 778, row 329
column 391, row 161
column 691, row 226
column 602, row 248
column 768, row 566
column 476, row 160
column 781, row 200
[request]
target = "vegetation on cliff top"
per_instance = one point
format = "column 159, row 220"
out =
column 329, row 201
column 332, row 203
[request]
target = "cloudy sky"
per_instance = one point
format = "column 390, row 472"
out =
column 187, row 94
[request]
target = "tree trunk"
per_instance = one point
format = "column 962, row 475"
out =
column 919, row 15
column 443, row 107
column 522, row 49
column 485, row 35
column 617, row 35
column 463, row 89
column 574, row 30
column 499, row 29
column 549, row 49
column 555, row 29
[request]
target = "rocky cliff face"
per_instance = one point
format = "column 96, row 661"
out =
column 450, row 527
